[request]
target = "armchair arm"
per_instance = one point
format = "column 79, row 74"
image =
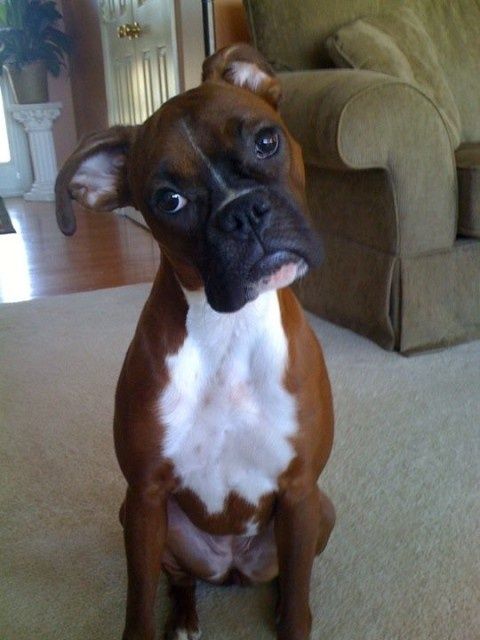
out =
column 357, row 120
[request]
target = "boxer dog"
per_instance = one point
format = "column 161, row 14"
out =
column 223, row 418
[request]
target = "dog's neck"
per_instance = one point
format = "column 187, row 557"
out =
column 185, row 274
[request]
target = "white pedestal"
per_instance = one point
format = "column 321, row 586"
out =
column 37, row 120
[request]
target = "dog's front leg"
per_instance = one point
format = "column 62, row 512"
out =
column 297, row 529
column 145, row 528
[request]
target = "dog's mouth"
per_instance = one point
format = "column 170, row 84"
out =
column 275, row 271
column 242, row 271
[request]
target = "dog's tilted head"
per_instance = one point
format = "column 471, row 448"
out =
column 217, row 177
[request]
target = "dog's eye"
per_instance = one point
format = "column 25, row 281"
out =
column 169, row 200
column 266, row 143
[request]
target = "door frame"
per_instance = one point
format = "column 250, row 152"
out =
column 195, row 39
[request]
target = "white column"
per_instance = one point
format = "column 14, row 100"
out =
column 37, row 120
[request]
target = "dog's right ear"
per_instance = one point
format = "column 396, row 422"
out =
column 95, row 175
column 242, row 65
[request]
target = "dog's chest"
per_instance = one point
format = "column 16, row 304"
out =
column 228, row 417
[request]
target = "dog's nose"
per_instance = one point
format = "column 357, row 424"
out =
column 244, row 214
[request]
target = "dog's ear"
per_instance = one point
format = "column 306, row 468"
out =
column 94, row 175
column 243, row 66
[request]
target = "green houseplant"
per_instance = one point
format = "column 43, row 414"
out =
column 30, row 46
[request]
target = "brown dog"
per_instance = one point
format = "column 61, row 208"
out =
column 223, row 419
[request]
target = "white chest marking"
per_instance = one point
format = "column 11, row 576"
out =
column 227, row 415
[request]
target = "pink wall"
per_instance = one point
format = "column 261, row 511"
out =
column 64, row 130
column 81, row 90
column 86, row 68
column 230, row 22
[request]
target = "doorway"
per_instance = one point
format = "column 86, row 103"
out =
column 153, row 49
column 15, row 167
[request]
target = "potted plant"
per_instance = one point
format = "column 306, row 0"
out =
column 30, row 46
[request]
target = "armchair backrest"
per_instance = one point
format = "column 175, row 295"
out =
column 292, row 34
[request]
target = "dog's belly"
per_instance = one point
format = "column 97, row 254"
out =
column 228, row 418
column 217, row 559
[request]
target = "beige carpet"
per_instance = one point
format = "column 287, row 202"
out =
column 404, row 560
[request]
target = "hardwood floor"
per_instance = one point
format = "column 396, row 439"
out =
column 106, row 251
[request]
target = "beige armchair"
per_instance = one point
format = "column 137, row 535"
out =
column 402, row 244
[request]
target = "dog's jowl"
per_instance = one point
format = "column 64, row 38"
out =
column 223, row 417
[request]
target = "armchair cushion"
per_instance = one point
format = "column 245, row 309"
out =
column 397, row 44
column 468, row 170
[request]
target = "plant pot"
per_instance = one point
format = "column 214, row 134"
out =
column 29, row 84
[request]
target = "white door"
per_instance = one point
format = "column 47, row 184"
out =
column 157, row 62
column 140, row 54
column 119, row 57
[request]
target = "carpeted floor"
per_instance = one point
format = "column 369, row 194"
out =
column 402, row 564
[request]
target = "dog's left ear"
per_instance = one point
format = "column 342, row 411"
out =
column 94, row 175
column 243, row 66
